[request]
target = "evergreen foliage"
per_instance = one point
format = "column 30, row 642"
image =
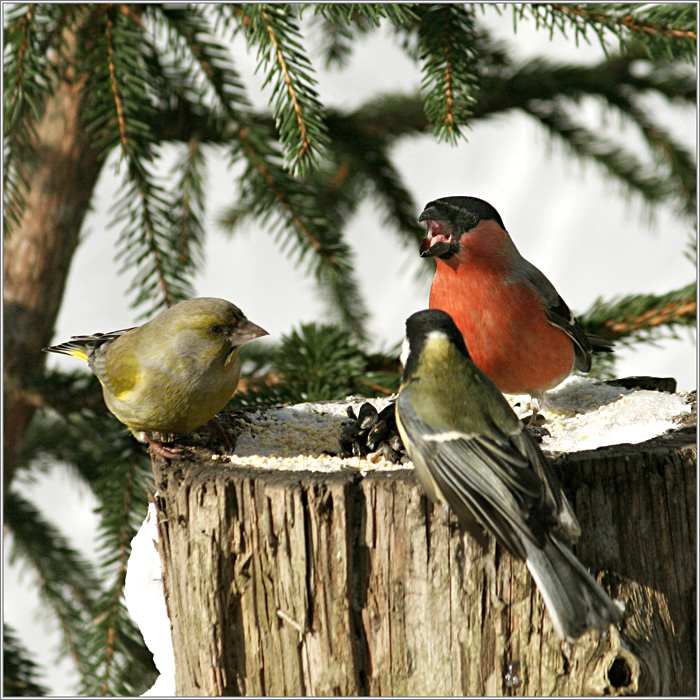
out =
column 449, row 62
column 19, row 671
column 318, row 362
column 157, row 75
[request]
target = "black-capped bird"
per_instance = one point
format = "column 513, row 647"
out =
column 472, row 454
column 518, row 329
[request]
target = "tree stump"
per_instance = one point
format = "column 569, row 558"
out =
column 353, row 583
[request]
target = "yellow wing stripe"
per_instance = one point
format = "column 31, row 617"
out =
column 68, row 349
column 80, row 354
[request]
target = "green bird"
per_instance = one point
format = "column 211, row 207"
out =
column 472, row 454
column 172, row 374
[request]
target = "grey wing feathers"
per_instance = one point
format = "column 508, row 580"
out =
column 573, row 598
column 559, row 315
column 87, row 343
column 493, row 481
column 567, row 526
column 91, row 348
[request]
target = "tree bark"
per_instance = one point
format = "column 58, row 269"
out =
column 38, row 253
column 308, row 583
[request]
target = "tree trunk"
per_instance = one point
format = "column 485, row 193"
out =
column 38, row 252
column 348, row 583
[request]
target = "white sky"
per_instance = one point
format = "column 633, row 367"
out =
column 564, row 218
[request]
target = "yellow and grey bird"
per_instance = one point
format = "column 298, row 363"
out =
column 472, row 454
column 172, row 374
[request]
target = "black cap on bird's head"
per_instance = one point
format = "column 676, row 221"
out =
column 420, row 326
column 450, row 217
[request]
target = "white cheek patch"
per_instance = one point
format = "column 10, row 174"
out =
column 431, row 337
column 437, row 336
column 405, row 352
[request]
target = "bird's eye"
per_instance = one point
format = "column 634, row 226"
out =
column 216, row 329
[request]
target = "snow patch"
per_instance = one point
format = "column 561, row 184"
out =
column 145, row 601
column 584, row 414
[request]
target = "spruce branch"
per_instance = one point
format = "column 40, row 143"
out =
column 368, row 15
column 67, row 582
column 190, row 34
column 109, row 651
column 189, row 192
column 20, row 673
column 120, row 102
column 627, row 21
column 28, row 84
column 107, row 648
column 623, row 166
column 664, row 30
column 286, row 208
column 643, row 317
column 339, row 30
column 449, row 63
column 113, row 644
column 268, row 191
column 668, row 153
column 317, row 362
column 114, row 87
column 296, row 105
column 364, row 156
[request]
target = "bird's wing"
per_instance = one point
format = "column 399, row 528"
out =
column 495, row 480
column 558, row 313
column 84, row 346
column 567, row 527
column 116, row 371
column 118, row 367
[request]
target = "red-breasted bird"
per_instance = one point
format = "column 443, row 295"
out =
column 518, row 329
column 172, row 374
column 472, row 454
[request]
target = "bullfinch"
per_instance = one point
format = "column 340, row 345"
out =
column 172, row 374
column 518, row 329
column 472, row 454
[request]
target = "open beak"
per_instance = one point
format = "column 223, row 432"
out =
column 439, row 243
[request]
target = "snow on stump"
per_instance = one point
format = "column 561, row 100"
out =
column 291, row 572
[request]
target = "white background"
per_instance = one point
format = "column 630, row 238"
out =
column 564, row 217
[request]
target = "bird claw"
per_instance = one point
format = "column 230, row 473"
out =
column 158, row 448
column 537, row 431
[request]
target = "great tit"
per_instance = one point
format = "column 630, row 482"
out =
column 472, row 454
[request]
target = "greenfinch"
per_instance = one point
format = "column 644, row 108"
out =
column 472, row 454
column 174, row 373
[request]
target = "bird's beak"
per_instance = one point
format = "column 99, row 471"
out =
column 244, row 331
column 430, row 214
column 437, row 250
column 439, row 242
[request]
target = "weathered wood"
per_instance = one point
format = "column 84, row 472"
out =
column 307, row 583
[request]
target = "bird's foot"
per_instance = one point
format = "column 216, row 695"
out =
column 158, row 448
column 537, row 431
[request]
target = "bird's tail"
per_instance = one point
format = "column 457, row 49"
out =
column 599, row 345
column 574, row 600
column 71, row 348
column 82, row 346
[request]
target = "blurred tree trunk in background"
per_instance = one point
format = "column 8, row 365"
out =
column 39, row 250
